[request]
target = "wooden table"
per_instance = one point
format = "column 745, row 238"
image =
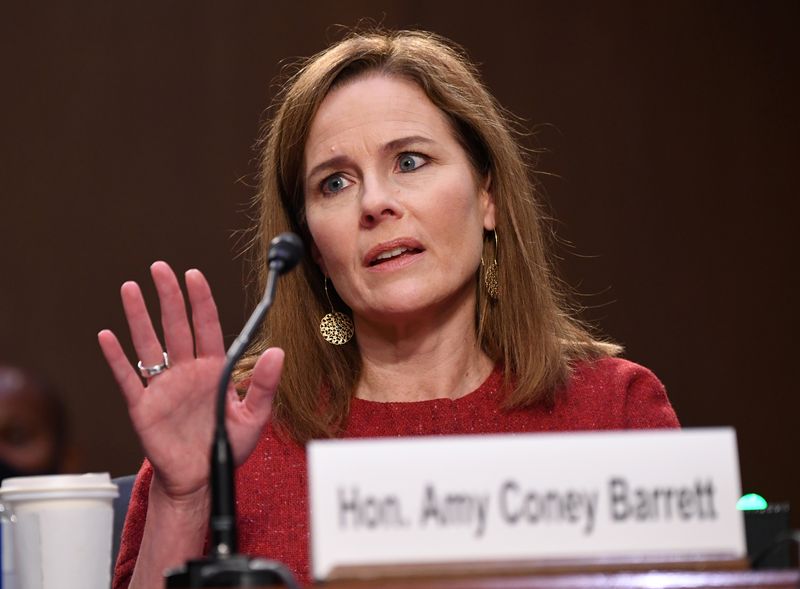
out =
column 777, row 579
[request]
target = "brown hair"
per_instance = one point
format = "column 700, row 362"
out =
column 530, row 329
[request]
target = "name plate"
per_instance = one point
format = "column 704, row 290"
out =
column 630, row 495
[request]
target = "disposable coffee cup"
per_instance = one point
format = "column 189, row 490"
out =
column 61, row 528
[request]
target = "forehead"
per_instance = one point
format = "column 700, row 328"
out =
column 376, row 108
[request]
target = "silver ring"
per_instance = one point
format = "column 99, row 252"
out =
column 151, row 371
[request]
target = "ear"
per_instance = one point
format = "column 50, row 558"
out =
column 317, row 257
column 487, row 202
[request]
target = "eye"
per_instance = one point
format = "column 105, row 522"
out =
column 333, row 184
column 408, row 162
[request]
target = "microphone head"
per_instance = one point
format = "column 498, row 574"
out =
column 285, row 252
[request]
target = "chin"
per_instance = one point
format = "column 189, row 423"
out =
column 406, row 306
column 388, row 310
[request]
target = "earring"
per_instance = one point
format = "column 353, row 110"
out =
column 490, row 273
column 336, row 328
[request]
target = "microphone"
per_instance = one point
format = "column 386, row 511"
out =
column 224, row 567
column 285, row 252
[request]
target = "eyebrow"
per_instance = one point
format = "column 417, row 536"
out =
column 393, row 145
column 396, row 144
column 334, row 162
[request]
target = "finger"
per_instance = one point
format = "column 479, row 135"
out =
column 205, row 319
column 174, row 320
column 145, row 341
column 128, row 381
column 264, row 384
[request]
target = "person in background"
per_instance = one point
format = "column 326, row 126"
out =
column 33, row 426
column 426, row 304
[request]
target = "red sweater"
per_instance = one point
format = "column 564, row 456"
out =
column 272, row 485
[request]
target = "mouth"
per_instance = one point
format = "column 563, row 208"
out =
column 392, row 251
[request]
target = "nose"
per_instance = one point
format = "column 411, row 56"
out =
column 379, row 203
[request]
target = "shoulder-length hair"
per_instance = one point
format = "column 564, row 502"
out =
column 529, row 329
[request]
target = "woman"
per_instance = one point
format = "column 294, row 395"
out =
column 398, row 169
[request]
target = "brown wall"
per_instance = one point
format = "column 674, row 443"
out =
column 670, row 130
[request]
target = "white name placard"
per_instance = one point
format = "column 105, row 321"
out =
column 524, row 498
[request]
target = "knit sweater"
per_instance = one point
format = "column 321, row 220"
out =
column 272, row 486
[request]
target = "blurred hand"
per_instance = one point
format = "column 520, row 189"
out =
column 173, row 412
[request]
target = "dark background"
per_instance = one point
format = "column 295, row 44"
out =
column 669, row 133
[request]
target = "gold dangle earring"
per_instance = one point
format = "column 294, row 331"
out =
column 336, row 328
column 490, row 273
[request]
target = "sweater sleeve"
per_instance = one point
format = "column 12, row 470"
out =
column 646, row 403
column 133, row 530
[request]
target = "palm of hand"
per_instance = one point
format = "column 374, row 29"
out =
column 174, row 414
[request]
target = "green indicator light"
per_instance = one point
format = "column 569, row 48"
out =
column 751, row 502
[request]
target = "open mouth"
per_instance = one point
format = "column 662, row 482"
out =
column 393, row 254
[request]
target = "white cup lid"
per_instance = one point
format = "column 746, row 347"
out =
column 96, row 481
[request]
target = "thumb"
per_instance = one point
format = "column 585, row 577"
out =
column 264, row 383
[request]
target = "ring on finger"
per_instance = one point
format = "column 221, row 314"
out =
column 155, row 370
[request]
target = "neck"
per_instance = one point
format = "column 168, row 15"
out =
column 432, row 356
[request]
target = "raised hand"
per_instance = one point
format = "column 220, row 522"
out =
column 173, row 411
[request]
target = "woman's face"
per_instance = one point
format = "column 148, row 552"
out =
column 394, row 206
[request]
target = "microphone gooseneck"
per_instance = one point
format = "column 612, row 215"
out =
column 224, row 567
column 285, row 252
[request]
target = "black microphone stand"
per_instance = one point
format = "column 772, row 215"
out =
column 224, row 567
